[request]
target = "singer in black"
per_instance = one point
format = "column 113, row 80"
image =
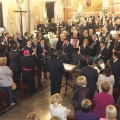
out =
column 56, row 69
column 41, row 50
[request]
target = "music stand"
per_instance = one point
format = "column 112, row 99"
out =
column 69, row 68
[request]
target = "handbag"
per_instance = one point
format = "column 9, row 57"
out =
column 14, row 86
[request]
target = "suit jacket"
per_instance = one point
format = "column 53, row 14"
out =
column 116, row 73
column 110, row 46
column 81, row 28
column 85, row 50
column 39, row 50
column 39, row 26
column 117, row 46
column 53, row 27
column 30, row 49
column 14, row 61
column 91, row 76
column 59, row 45
column 104, row 53
column 94, row 46
column 34, row 46
column 56, row 69
column 24, row 42
column 3, row 50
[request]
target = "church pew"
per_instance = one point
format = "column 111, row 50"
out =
column 22, row 86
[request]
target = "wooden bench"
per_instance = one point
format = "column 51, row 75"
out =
column 22, row 86
column 37, row 73
column 4, row 96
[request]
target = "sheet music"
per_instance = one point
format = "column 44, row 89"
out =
column 102, row 65
column 95, row 67
column 68, row 67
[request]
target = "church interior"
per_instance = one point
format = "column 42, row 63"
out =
column 59, row 59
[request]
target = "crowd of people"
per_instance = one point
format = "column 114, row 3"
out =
column 91, row 40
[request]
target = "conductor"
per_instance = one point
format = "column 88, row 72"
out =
column 56, row 69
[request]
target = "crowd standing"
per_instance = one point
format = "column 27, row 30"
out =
column 92, row 38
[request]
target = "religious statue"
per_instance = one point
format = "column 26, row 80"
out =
column 88, row 2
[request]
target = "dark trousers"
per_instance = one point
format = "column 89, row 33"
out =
column 55, row 86
column 8, row 90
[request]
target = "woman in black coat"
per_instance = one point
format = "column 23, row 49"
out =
column 80, row 91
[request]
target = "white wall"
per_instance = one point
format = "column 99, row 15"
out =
column 5, row 13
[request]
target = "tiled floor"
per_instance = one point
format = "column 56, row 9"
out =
column 38, row 103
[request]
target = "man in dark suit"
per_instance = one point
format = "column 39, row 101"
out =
column 40, row 26
column 94, row 45
column 35, row 43
column 14, row 61
column 56, row 69
column 91, row 76
column 60, row 42
column 41, row 51
column 117, row 44
column 102, row 52
column 15, row 41
column 116, row 69
column 110, row 45
column 67, row 48
column 25, row 39
column 53, row 26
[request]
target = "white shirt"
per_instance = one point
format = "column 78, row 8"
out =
column 60, row 111
column 109, row 79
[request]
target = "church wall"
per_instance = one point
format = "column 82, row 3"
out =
column 12, row 26
column 5, row 13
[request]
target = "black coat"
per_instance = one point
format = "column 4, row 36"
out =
column 59, row 45
column 24, row 42
column 39, row 50
column 104, row 53
column 116, row 73
column 94, row 46
column 85, row 50
column 68, row 49
column 91, row 76
column 3, row 50
column 110, row 46
column 56, row 69
column 14, row 61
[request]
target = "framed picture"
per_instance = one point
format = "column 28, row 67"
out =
column 75, row 43
column 88, row 2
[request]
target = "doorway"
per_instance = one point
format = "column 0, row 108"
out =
column 50, row 10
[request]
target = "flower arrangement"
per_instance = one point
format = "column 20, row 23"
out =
column 50, row 35
column 33, row 34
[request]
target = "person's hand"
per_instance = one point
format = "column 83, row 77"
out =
column 78, row 52
column 99, row 55
column 44, row 51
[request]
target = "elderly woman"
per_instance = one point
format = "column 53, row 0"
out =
column 56, row 109
column 106, row 76
column 111, row 113
column 27, row 66
column 85, row 113
column 102, row 100
column 6, row 80
column 80, row 92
